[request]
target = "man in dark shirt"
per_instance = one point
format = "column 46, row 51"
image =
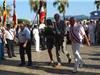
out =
column 59, row 30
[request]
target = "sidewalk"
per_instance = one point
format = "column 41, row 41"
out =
column 91, row 56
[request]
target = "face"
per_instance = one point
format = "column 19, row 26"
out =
column 57, row 18
column 72, row 21
column 22, row 26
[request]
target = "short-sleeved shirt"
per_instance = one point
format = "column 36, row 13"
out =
column 77, row 32
column 9, row 34
column 24, row 35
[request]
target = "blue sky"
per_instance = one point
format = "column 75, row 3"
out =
column 76, row 7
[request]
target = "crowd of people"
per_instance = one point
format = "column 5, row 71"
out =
column 47, row 36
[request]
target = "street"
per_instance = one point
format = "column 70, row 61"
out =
column 90, row 55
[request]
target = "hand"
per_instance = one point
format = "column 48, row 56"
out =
column 24, row 45
column 5, row 42
column 88, row 43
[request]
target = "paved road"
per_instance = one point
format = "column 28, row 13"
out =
column 91, row 56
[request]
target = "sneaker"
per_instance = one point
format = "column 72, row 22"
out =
column 81, row 64
column 51, row 63
column 21, row 64
column 69, row 58
column 29, row 64
column 58, row 65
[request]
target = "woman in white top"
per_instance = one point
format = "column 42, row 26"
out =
column 36, row 37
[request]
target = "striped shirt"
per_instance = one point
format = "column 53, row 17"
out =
column 76, row 33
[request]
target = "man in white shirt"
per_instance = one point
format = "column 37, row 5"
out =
column 9, row 36
column 77, row 34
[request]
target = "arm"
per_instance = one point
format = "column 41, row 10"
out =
column 27, row 32
column 86, row 39
column 84, row 35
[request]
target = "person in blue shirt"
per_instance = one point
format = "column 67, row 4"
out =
column 1, row 44
column 24, row 44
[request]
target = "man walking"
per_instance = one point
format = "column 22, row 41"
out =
column 59, row 31
column 77, row 34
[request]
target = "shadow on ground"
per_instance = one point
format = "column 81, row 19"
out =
column 2, row 72
column 47, row 68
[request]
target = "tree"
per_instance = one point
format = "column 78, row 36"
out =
column 97, row 3
column 8, row 8
column 61, row 6
column 35, row 6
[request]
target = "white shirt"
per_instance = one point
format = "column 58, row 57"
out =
column 42, row 26
column 36, row 33
column 9, row 35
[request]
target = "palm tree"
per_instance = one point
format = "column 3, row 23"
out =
column 35, row 6
column 1, row 10
column 97, row 3
column 61, row 6
column 8, row 8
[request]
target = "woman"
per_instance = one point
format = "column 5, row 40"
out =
column 49, row 38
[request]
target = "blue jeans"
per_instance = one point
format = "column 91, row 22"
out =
column 1, row 50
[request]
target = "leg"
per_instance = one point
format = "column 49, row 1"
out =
column 12, row 48
column 37, row 44
column 8, row 46
column 28, row 52
column 77, row 57
column 21, row 51
column 58, row 54
column 65, row 51
column 50, row 54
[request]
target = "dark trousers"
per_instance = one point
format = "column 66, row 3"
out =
column 58, row 54
column 42, row 41
column 10, row 47
column 58, row 44
column 22, row 51
column 1, row 50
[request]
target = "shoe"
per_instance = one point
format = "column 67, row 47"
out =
column 58, row 65
column 14, row 55
column 81, row 64
column 29, row 64
column 10, row 56
column 51, row 63
column 21, row 64
column 69, row 58
column 74, row 71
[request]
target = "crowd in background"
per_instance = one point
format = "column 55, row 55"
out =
column 44, row 36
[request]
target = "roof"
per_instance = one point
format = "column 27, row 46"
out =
column 95, row 15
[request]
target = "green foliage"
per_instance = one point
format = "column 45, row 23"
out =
column 97, row 3
column 62, row 4
column 8, row 8
column 34, row 5
column 23, row 20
